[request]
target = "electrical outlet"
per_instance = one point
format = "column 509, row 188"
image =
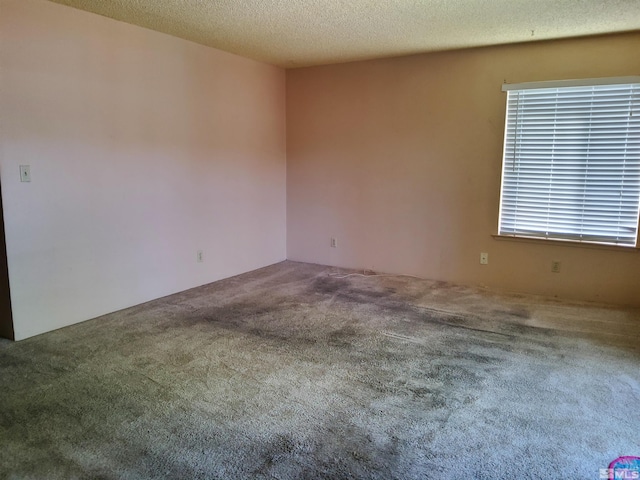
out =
column 200, row 256
column 484, row 258
column 334, row 242
column 555, row 266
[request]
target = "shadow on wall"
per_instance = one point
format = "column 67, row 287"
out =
column 6, row 319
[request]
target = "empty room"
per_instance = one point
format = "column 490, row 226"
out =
column 319, row 239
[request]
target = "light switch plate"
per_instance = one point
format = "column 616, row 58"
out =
column 25, row 173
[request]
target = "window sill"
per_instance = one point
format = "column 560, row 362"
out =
column 566, row 243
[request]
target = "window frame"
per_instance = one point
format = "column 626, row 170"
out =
column 550, row 238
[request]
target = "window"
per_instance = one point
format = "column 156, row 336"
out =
column 571, row 164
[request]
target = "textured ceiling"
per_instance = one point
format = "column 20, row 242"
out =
column 293, row 33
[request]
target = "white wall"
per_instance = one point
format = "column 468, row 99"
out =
column 143, row 148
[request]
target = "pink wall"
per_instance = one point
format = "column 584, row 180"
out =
column 400, row 160
column 144, row 149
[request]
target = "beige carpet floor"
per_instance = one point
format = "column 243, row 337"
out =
column 297, row 371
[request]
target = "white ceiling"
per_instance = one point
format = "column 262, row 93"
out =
column 294, row 33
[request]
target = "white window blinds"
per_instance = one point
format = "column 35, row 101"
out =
column 571, row 165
